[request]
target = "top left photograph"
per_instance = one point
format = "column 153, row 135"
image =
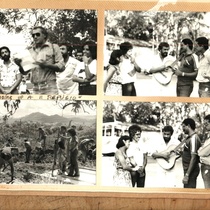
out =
column 48, row 51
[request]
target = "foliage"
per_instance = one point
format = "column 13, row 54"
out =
column 69, row 26
column 156, row 26
column 77, row 105
column 133, row 112
column 156, row 113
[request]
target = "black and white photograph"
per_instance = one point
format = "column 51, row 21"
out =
column 48, row 51
column 48, row 142
column 156, row 53
column 156, row 144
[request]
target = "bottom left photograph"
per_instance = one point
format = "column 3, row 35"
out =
column 48, row 142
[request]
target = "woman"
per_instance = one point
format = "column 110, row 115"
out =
column 112, row 83
column 122, row 176
column 128, row 68
column 85, row 74
column 73, row 149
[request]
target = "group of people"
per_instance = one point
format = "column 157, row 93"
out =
column 130, row 159
column 65, row 153
column 53, row 70
column 191, row 64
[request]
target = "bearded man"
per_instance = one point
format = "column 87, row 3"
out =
column 10, row 76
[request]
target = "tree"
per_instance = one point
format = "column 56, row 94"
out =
column 132, row 112
column 11, row 107
column 63, row 25
column 157, row 114
column 155, row 27
column 76, row 105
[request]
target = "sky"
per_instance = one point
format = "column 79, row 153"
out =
column 47, row 107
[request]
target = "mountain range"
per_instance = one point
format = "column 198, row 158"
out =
column 43, row 118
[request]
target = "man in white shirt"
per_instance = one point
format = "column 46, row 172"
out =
column 64, row 80
column 203, row 77
column 162, row 75
column 165, row 177
column 10, row 76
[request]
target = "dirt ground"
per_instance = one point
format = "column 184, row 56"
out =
column 40, row 173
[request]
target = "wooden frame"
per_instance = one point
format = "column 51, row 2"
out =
column 98, row 197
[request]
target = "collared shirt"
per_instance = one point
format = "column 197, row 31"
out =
column 156, row 61
column 64, row 79
column 188, row 64
column 50, row 53
column 80, row 70
column 190, row 148
column 204, row 67
column 158, row 89
column 8, row 74
column 125, row 67
column 163, row 146
column 136, row 151
column 74, row 143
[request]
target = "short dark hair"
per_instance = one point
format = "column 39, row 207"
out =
column 72, row 132
column 44, row 30
column 92, row 47
column 203, row 41
column 125, row 46
column 68, row 47
column 113, row 58
column 120, row 142
column 4, row 48
column 168, row 128
column 190, row 122
column 188, row 42
column 132, row 130
column 63, row 127
column 162, row 44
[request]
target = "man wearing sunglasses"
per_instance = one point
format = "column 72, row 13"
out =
column 48, row 61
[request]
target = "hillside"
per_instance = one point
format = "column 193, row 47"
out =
column 43, row 118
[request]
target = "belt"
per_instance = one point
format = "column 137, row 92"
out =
column 86, row 85
column 116, row 83
column 44, row 83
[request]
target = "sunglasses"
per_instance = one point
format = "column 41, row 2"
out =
column 36, row 34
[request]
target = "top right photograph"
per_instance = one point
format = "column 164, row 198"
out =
column 163, row 53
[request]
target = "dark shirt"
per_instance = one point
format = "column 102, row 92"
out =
column 188, row 65
column 191, row 146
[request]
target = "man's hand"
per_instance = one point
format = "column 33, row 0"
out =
column 166, row 156
column 178, row 72
column 185, row 179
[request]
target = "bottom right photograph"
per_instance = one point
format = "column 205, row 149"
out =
column 155, row 144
